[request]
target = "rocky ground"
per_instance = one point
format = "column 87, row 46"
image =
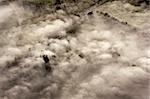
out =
column 100, row 53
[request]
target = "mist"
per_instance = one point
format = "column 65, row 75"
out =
column 102, row 53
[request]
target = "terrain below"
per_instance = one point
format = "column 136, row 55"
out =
column 101, row 53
